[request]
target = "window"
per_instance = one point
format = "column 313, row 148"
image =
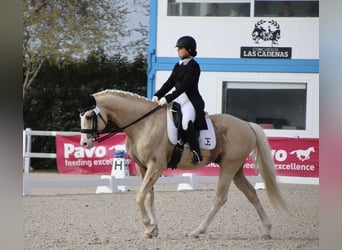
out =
column 274, row 8
column 243, row 8
column 208, row 8
column 272, row 105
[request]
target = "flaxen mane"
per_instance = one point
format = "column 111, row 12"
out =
column 122, row 93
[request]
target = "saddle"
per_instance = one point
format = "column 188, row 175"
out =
column 177, row 136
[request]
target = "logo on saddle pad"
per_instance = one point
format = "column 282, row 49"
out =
column 207, row 139
column 303, row 155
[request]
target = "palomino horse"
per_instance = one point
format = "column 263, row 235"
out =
column 148, row 145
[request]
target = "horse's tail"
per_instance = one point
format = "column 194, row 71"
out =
column 264, row 164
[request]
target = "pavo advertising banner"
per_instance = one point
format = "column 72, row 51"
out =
column 292, row 157
column 72, row 158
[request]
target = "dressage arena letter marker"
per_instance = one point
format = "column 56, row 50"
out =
column 120, row 168
column 119, row 171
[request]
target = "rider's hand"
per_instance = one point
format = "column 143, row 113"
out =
column 162, row 101
column 154, row 99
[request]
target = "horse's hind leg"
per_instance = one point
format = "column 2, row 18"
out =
column 244, row 186
column 221, row 198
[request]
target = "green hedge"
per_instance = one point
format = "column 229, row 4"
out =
column 53, row 101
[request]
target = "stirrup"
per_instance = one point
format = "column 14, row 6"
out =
column 196, row 158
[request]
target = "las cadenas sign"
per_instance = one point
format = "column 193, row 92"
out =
column 292, row 157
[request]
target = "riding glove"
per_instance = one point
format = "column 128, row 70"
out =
column 162, row 101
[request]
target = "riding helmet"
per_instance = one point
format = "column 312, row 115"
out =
column 188, row 43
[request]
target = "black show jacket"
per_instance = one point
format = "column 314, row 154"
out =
column 185, row 79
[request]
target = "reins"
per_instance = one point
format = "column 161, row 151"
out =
column 110, row 134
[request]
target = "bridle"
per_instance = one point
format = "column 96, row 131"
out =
column 93, row 131
column 110, row 128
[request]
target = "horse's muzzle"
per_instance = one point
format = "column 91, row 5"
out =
column 86, row 140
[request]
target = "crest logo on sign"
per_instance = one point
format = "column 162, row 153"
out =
column 266, row 31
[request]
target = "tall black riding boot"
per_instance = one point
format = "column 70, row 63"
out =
column 192, row 136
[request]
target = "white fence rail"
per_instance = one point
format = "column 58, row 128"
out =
column 27, row 142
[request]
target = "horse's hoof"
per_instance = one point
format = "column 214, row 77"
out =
column 154, row 231
column 149, row 234
column 266, row 237
column 194, row 235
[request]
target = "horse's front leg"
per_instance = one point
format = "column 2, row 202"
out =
column 145, row 202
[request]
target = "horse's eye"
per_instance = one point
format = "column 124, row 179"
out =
column 88, row 117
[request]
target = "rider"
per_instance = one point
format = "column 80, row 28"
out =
column 184, row 84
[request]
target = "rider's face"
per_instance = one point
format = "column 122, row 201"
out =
column 182, row 52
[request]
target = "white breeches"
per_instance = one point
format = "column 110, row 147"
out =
column 188, row 110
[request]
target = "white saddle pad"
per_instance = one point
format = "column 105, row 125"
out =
column 207, row 139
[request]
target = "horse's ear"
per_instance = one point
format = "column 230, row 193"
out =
column 87, row 102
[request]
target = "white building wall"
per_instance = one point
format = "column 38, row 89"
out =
column 222, row 37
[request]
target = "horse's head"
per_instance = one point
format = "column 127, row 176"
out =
column 93, row 121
